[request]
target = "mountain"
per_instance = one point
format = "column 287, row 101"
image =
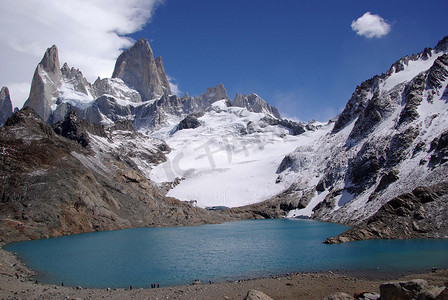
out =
column 382, row 158
column 388, row 140
column 138, row 91
column 5, row 105
column 139, row 70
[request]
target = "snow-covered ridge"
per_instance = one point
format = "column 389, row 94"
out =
column 411, row 69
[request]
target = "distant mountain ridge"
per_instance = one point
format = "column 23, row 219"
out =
column 138, row 91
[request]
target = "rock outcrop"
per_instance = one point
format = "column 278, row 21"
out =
column 53, row 186
column 190, row 122
column 5, row 105
column 139, row 70
column 420, row 214
column 78, row 130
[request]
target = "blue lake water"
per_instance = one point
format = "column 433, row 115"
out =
column 255, row 248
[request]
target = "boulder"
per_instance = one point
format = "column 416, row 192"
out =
column 256, row 295
column 403, row 290
column 431, row 293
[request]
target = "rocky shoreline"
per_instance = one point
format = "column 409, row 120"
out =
column 16, row 282
column 419, row 214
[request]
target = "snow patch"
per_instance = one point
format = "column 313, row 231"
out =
column 308, row 210
column 413, row 68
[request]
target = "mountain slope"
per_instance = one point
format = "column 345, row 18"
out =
column 382, row 145
column 54, row 186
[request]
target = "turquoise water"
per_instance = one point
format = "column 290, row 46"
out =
column 179, row 255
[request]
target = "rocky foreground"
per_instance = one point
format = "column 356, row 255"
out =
column 16, row 283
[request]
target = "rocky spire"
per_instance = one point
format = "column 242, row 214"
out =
column 5, row 105
column 162, row 75
column 50, row 61
column 138, row 69
column 46, row 81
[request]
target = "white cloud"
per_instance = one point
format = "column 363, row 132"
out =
column 371, row 26
column 89, row 35
column 175, row 89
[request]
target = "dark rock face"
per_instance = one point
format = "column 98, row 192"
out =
column 439, row 149
column 357, row 103
column 294, row 128
column 52, row 186
column 5, row 105
column 410, row 215
column 286, row 163
column 77, row 130
column 413, row 95
column 377, row 109
column 139, row 70
column 190, row 122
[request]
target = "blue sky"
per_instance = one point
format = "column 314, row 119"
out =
column 301, row 56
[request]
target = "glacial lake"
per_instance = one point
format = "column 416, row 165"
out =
column 172, row 256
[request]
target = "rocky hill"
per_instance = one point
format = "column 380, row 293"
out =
column 55, row 184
